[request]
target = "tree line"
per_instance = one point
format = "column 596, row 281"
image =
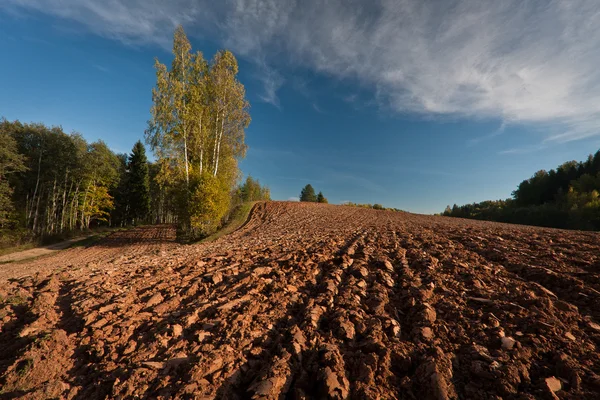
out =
column 308, row 194
column 565, row 197
column 375, row 206
column 52, row 182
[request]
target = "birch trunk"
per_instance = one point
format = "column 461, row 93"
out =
column 35, row 217
column 84, row 205
column 200, row 139
column 74, row 214
column 52, row 216
column 185, row 153
column 215, row 146
column 36, row 186
column 219, row 143
column 64, row 203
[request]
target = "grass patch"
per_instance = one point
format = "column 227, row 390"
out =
column 238, row 217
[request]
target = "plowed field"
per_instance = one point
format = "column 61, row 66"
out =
column 309, row 301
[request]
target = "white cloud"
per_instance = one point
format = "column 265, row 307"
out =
column 521, row 61
column 293, row 199
column 272, row 81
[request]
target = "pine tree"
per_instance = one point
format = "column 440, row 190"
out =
column 308, row 194
column 138, row 184
column 120, row 194
column 321, row 198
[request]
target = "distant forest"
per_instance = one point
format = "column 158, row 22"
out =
column 566, row 197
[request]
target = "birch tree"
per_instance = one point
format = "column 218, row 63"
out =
column 196, row 131
column 229, row 108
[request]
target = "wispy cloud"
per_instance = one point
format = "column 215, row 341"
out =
column 524, row 150
column 351, row 98
column 497, row 132
column 300, row 85
column 272, row 81
column 318, row 109
column 521, row 61
column 101, row 68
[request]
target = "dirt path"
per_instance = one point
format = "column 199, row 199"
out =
column 311, row 301
column 40, row 251
column 119, row 245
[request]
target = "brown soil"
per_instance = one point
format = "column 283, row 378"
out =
column 310, row 301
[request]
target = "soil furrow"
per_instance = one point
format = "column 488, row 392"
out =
column 309, row 301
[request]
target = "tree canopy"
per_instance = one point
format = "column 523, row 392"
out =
column 321, row 198
column 308, row 194
column 251, row 190
column 57, row 182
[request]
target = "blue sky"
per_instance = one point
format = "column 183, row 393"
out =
column 400, row 103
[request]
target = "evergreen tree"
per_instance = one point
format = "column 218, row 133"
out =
column 120, row 194
column 138, row 184
column 308, row 194
column 321, row 198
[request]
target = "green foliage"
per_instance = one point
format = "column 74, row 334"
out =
column 566, row 197
column 321, row 198
column 10, row 162
column 138, row 184
column 162, row 197
column 251, row 191
column 308, row 194
column 120, row 193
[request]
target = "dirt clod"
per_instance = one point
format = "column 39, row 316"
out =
column 553, row 384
